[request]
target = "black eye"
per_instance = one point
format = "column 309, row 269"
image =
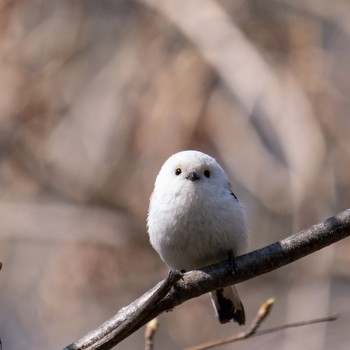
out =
column 178, row 171
column 207, row 173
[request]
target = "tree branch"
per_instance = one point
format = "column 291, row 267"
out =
column 198, row 282
column 249, row 334
column 252, row 331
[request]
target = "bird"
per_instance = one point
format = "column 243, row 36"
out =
column 195, row 220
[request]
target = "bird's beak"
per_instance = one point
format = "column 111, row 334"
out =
column 192, row 176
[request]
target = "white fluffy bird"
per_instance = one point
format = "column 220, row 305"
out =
column 195, row 220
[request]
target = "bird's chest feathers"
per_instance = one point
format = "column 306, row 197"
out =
column 187, row 216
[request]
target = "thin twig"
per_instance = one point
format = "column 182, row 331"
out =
column 150, row 331
column 263, row 312
column 248, row 334
column 261, row 315
column 297, row 324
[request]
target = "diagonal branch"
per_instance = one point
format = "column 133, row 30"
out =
column 198, row 282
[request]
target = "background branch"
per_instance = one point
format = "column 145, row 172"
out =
column 262, row 314
column 249, row 334
column 198, row 282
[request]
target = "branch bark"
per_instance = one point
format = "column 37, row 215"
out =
column 195, row 283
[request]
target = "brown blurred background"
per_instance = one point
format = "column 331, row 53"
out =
column 95, row 95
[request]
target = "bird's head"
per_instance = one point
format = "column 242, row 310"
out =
column 191, row 171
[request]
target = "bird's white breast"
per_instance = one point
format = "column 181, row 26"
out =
column 191, row 228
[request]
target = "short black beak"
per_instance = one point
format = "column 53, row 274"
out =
column 192, row 176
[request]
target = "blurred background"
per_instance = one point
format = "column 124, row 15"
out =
column 96, row 95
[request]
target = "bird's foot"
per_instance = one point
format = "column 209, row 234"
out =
column 231, row 260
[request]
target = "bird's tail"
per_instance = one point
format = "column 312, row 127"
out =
column 228, row 305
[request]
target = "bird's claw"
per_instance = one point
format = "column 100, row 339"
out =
column 231, row 260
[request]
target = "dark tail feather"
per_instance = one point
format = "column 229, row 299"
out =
column 228, row 305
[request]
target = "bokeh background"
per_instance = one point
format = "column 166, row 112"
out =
column 95, row 95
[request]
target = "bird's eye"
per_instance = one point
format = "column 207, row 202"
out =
column 178, row 171
column 207, row 173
